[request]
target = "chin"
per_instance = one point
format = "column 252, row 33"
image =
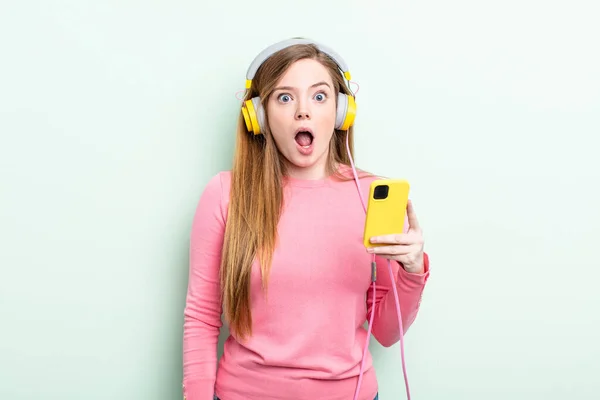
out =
column 300, row 160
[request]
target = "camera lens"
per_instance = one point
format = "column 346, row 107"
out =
column 381, row 192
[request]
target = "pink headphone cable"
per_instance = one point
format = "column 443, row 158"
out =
column 374, row 278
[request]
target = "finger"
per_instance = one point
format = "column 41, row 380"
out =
column 391, row 250
column 409, row 261
column 396, row 238
column 401, row 258
column 413, row 222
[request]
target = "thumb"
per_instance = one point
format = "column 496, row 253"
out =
column 413, row 222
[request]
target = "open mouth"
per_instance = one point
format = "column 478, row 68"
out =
column 304, row 138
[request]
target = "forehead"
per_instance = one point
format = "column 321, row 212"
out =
column 304, row 73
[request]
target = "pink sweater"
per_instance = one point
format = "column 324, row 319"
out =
column 308, row 335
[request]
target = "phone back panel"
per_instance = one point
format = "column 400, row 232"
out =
column 386, row 215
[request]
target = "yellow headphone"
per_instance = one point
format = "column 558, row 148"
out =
column 252, row 109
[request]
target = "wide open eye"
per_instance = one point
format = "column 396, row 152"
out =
column 320, row 96
column 284, row 98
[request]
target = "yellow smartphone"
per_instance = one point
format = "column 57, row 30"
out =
column 386, row 209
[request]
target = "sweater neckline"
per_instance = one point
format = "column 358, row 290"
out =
column 298, row 182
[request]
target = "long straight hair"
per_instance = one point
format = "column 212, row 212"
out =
column 256, row 195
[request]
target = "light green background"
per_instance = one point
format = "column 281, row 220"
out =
column 116, row 113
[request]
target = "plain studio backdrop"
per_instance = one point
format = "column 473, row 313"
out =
column 114, row 115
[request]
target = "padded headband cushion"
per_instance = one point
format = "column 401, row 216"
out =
column 269, row 51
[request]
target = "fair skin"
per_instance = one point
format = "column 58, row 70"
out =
column 304, row 99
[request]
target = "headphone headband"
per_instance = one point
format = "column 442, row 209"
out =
column 269, row 51
column 252, row 109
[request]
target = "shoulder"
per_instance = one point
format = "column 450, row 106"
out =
column 221, row 182
column 215, row 195
column 365, row 178
column 218, row 179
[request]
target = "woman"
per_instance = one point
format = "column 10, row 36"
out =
column 276, row 244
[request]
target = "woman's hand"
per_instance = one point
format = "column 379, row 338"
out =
column 406, row 248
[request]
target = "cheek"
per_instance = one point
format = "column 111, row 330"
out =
column 275, row 120
column 327, row 117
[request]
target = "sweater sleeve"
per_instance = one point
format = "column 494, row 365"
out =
column 410, row 288
column 202, row 313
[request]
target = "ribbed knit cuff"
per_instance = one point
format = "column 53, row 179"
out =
column 420, row 278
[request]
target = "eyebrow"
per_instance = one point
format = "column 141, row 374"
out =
column 312, row 86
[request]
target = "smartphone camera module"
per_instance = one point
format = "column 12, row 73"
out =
column 381, row 192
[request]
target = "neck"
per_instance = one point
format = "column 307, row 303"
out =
column 316, row 171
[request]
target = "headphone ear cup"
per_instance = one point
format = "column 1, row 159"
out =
column 346, row 112
column 260, row 114
column 254, row 115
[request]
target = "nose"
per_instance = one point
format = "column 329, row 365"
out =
column 302, row 113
